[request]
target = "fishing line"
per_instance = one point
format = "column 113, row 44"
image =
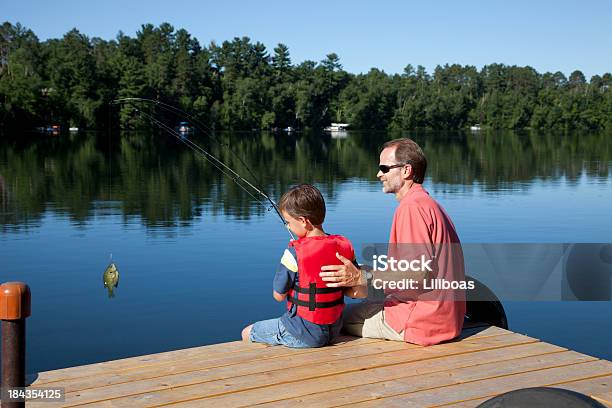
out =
column 206, row 130
column 217, row 163
column 108, row 135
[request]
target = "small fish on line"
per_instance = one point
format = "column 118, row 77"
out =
column 111, row 278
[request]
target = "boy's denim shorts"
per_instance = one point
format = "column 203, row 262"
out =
column 273, row 332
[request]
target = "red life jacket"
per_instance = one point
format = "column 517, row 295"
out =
column 314, row 300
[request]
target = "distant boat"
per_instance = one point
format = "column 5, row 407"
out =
column 337, row 127
column 50, row 129
column 475, row 128
column 288, row 129
column 184, row 129
column 73, row 129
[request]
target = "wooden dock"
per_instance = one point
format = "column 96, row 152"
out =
column 485, row 362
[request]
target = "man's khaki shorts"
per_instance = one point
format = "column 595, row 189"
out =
column 367, row 319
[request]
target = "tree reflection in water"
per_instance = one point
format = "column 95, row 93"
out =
column 154, row 177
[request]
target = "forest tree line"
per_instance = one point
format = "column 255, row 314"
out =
column 241, row 85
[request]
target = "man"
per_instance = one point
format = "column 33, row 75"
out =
column 428, row 317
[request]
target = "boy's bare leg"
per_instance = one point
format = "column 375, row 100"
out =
column 246, row 332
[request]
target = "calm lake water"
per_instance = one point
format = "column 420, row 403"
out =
column 196, row 254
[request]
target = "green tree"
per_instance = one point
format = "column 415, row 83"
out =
column 131, row 85
column 71, row 67
column 281, row 62
column 22, row 89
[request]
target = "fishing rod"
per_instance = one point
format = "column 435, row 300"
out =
column 194, row 120
column 217, row 163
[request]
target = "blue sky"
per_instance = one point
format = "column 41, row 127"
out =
column 547, row 35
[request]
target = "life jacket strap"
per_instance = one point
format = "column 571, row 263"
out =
column 319, row 291
column 315, row 305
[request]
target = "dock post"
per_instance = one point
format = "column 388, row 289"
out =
column 14, row 309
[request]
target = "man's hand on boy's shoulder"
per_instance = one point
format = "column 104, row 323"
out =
column 346, row 274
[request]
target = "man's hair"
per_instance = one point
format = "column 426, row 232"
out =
column 304, row 200
column 409, row 152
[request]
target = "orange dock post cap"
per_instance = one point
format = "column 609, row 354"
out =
column 14, row 301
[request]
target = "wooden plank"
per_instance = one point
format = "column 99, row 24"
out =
column 607, row 396
column 76, row 381
column 605, row 399
column 597, row 388
column 315, row 387
column 275, row 353
column 415, row 382
column 202, row 354
column 197, row 384
column 104, row 387
column 481, row 331
column 97, row 368
column 210, row 364
column 234, row 365
column 206, row 355
column 462, row 388
column 463, row 404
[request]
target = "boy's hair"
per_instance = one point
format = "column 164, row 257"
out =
column 304, row 200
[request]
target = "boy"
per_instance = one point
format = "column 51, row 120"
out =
column 314, row 311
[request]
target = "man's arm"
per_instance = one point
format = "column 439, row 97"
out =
column 356, row 292
column 359, row 291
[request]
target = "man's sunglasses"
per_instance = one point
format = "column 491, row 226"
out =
column 385, row 168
